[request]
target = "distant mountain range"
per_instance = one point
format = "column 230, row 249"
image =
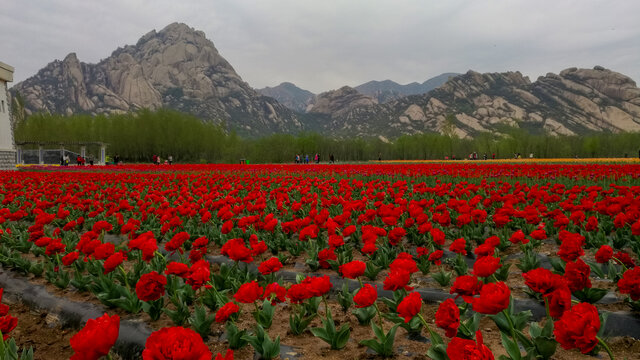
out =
column 301, row 100
column 290, row 96
column 178, row 67
column 387, row 90
column 577, row 101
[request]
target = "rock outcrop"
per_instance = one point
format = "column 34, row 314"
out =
column 387, row 90
column 574, row 102
column 289, row 95
column 338, row 103
column 177, row 67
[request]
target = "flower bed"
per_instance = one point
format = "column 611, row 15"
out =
column 435, row 260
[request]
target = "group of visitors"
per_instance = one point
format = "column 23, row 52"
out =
column 155, row 159
column 304, row 159
column 80, row 160
column 474, row 156
column 300, row 159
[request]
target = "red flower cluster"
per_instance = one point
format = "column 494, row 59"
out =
column 578, row 328
column 494, row 297
column 236, row 250
column 552, row 287
column 249, row 293
column 410, row 306
column 464, row 349
column 96, row 338
column 448, row 317
column 150, row 287
column 7, row 322
column 175, row 343
column 630, row 283
column 308, row 288
column 226, row 311
column 270, row 266
column 353, row 269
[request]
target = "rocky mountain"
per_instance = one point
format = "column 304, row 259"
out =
column 289, row 95
column 576, row 101
column 177, row 67
column 387, row 90
column 338, row 103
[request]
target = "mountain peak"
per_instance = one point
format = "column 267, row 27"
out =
column 71, row 57
column 177, row 27
column 176, row 67
column 180, row 30
column 388, row 90
column 289, row 95
column 341, row 101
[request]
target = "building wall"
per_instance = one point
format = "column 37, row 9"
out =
column 6, row 139
column 7, row 149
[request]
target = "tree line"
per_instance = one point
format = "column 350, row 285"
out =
column 137, row 136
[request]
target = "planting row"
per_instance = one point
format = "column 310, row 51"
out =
column 139, row 243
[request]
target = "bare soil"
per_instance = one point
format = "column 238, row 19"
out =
column 52, row 341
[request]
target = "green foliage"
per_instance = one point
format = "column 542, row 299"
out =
column 337, row 339
column 264, row 316
column 134, row 136
column 263, row 345
column 383, row 343
column 237, row 338
column 139, row 135
column 201, row 321
column 9, row 351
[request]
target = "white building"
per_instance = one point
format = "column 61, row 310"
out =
column 7, row 148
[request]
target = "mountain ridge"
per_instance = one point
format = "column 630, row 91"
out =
column 388, row 90
column 289, row 95
column 178, row 67
column 573, row 102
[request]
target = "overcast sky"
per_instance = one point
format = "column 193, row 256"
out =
column 324, row 44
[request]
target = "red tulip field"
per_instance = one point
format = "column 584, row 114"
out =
column 405, row 261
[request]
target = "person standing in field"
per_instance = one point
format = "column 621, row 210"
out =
column 331, row 159
column 170, row 159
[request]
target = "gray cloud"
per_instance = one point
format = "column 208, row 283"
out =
column 322, row 45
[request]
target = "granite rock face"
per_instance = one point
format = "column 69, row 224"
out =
column 289, row 95
column 177, row 67
column 576, row 101
column 338, row 103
